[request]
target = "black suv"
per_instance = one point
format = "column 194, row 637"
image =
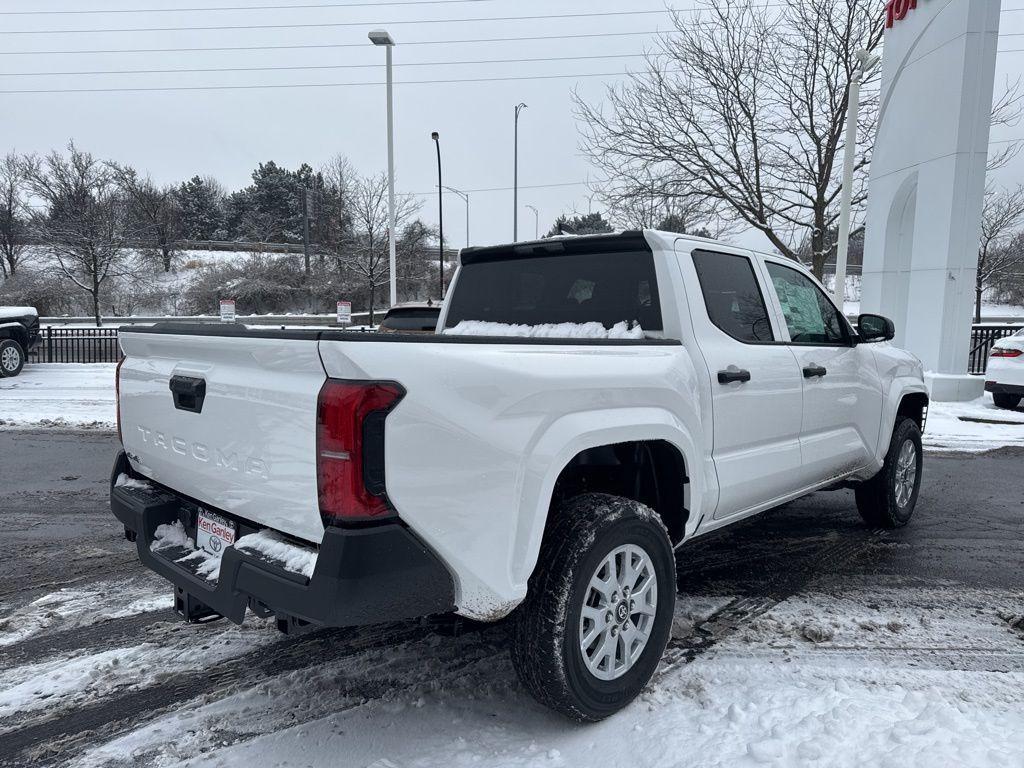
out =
column 19, row 333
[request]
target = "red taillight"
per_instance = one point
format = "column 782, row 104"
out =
column 1006, row 352
column 350, row 449
column 117, row 397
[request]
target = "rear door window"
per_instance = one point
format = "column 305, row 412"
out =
column 608, row 287
column 732, row 296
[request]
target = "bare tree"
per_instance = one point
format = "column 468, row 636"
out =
column 155, row 212
column 13, row 214
column 746, row 105
column 1002, row 216
column 1007, row 108
column 364, row 254
column 640, row 201
column 84, row 229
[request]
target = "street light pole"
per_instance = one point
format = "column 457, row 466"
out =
column 440, row 217
column 465, row 199
column 536, row 222
column 381, row 37
column 865, row 61
column 515, row 175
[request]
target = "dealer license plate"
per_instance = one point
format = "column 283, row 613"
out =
column 214, row 533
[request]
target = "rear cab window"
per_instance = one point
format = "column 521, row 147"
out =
column 423, row 320
column 605, row 280
column 733, row 296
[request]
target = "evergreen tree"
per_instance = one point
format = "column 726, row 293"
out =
column 580, row 224
column 201, row 202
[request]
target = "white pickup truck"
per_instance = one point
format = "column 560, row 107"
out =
column 630, row 392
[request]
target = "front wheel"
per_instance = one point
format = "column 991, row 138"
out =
column 1003, row 400
column 888, row 499
column 12, row 357
column 598, row 614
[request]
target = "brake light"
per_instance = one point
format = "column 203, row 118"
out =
column 117, row 397
column 350, row 449
column 1006, row 352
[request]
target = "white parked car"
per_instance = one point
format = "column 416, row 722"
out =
column 1004, row 375
column 631, row 392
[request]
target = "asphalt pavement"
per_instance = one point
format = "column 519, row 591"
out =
column 57, row 534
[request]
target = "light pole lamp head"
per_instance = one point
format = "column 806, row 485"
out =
column 866, row 61
column 435, row 136
column 380, row 37
column 519, row 108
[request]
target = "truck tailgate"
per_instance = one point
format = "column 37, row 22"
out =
column 249, row 446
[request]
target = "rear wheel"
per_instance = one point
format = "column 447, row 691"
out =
column 12, row 357
column 888, row 499
column 597, row 617
column 1003, row 400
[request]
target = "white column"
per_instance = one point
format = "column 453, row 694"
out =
column 927, row 183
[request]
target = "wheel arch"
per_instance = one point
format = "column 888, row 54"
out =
column 908, row 397
column 599, row 441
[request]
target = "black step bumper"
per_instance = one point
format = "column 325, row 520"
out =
column 1003, row 389
column 362, row 575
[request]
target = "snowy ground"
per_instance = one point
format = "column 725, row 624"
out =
column 878, row 677
column 801, row 638
column 72, row 395
column 60, row 395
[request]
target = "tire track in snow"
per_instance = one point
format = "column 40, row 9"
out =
column 739, row 612
column 43, row 741
column 106, row 632
column 47, row 740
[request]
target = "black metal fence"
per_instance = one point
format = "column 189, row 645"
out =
column 99, row 345
column 983, row 337
column 76, row 345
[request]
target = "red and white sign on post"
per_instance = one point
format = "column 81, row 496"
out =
column 227, row 310
column 344, row 313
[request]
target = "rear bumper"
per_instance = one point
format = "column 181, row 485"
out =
column 362, row 576
column 1004, row 389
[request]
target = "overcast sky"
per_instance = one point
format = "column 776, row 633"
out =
column 225, row 133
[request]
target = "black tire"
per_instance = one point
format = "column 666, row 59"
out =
column 1003, row 400
column 878, row 498
column 12, row 358
column 546, row 638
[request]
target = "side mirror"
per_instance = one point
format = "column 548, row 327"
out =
column 875, row 328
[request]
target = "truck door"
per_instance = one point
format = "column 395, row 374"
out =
column 756, row 385
column 842, row 407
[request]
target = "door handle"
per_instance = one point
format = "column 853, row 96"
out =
column 814, row 371
column 188, row 392
column 728, row 377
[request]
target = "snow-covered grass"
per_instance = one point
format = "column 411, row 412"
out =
column 70, row 395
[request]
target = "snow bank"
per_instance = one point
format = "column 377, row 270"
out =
column 973, row 426
column 289, row 556
column 63, row 395
column 548, row 330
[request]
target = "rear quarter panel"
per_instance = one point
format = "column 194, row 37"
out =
column 474, row 448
